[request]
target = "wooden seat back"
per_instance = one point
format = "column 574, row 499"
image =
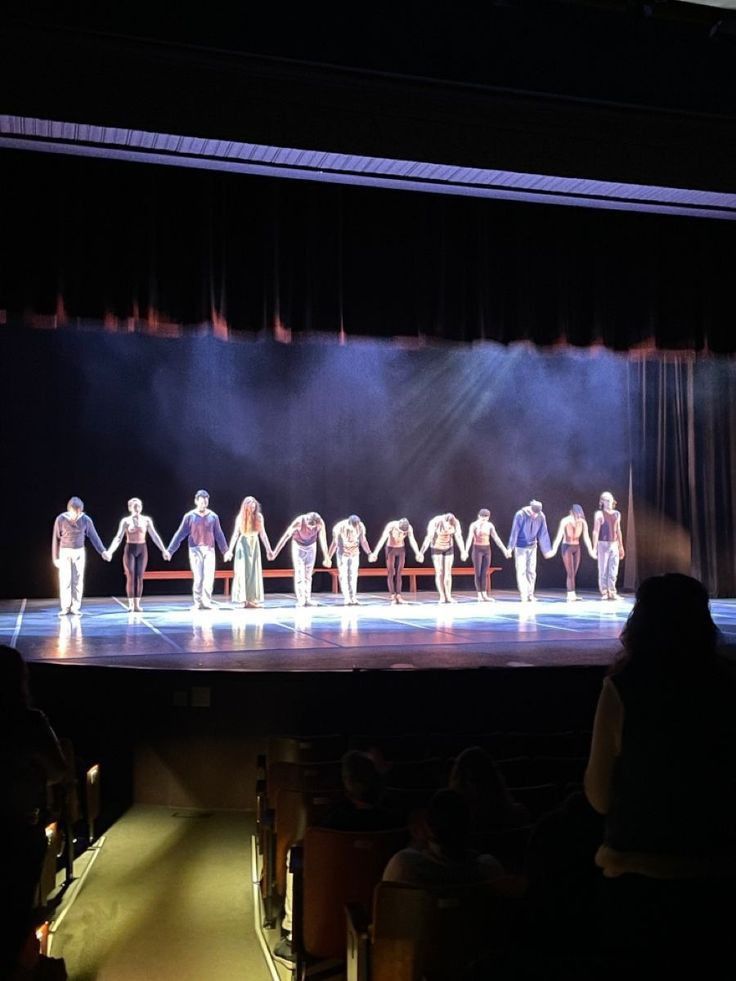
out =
column 435, row 933
column 340, row 867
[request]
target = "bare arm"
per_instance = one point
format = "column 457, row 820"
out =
column 428, row 538
column 333, row 543
column 458, row 536
column 558, row 536
column 586, row 539
column 327, row 561
column 262, row 534
column 155, row 536
column 497, row 540
column 118, row 537
column 619, row 537
column 469, row 539
column 384, row 537
column 285, row 537
column 597, row 522
column 363, row 541
column 605, row 747
column 412, row 540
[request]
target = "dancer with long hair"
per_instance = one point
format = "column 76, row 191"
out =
column 250, row 526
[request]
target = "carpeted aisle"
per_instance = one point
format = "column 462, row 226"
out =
column 168, row 896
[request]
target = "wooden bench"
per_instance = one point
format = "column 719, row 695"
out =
column 365, row 572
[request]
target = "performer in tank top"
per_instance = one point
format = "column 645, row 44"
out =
column 304, row 532
column 608, row 543
column 395, row 535
column 442, row 532
column 134, row 528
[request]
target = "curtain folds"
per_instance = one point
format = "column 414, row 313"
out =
column 164, row 250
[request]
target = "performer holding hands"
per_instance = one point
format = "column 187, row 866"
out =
column 134, row 529
column 304, row 532
column 442, row 531
column 348, row 537
column 201, row 528
column 394, row 535
column 250, row 525
column 608, row 542
column 479, row 545
column 572, row 528
column 71, row 528
column 529, row 528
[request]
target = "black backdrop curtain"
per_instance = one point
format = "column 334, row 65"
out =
column 683, row 451
column 163, row 249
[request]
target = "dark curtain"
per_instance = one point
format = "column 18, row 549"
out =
column 683, row 449
column 163, row 250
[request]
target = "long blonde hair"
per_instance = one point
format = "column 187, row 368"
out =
column 248, row 520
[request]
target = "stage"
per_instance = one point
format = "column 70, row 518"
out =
column 330, row 637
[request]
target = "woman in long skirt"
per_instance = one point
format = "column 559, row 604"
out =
column 245, row 551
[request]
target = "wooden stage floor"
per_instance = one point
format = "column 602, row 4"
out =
column 330, row 637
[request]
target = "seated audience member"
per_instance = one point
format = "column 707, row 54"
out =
column 479, row 782
column 662, row 770
column 443, row 857
column 360, row 810
column 30, row 760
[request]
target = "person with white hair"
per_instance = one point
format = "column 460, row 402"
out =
column 528, row 531
column 608, row 543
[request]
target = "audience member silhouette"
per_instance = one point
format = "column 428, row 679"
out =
column 443, row 856
column 480, row 783
column 662, row 770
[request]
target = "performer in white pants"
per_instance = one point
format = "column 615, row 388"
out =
column 68, row 553
column 608, row 542
column 348, row 537
column 304, row 532
column 529, row 530
column 202, row 529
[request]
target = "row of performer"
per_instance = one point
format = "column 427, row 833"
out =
column 201, row 528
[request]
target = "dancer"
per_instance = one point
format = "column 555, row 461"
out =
column 479, row 536
column 68, row 553
column 135, row 554
column 304, row 532
column 202, row 529
column 348, row 537
column 529, row 529
column 442, row 531
column 394, row 535
column 247, row 570
column 608, row 543
column 572, row 528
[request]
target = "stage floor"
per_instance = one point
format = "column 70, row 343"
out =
column 330, row 637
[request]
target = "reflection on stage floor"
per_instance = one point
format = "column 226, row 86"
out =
column 330, row 636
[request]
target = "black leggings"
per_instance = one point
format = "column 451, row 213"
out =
column 135, row 560
column 481, row 564
column 571, row 561
column 395, row 558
